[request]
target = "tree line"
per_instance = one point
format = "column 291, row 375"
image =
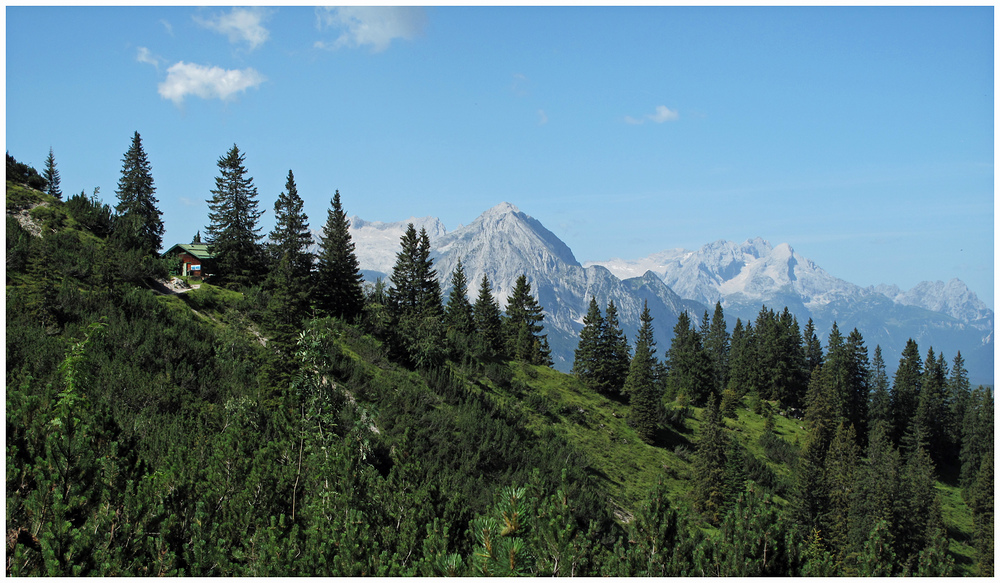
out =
column 378, row 430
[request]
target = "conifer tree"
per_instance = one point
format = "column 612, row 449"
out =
column 905, row 390
column 813, row 348
column 958, row 398
column 981, row 501
column 641, row 384
column 586, row 361
column 840, row 475
column 415, row 288
column 688, row 371
column 338, row 273
column 523, row 325
column 876, row 495
column 486, row 315
column 717, row 344
column 291, row 264
column 927, row 428
column 458, row 310
column 136, row 198
column 232, row 234
column 51, row 176
column 710, row 464
column 614, row 358
column 858, row 389
column 879, row 406
column 742, row 377
column 291, row 235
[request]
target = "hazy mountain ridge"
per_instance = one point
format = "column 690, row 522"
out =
column 504, row 242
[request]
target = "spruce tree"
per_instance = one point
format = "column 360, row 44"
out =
column 858, row 389
column 813, row 348
column 741, row 376
column 136, row 199
column 415, row 289
column 905, row 390
column 958, row 398
column 614, row 358
column 710, row 464
column 641, row 385
column 586, row 361
column 523, row 325
column 338, row 273
column 288, row 279
column 688, row 371
column 51, row 176
column 717, row 344
column 840, row 476
column 879, row 406
column 232, row 234
column 458, row 310
column 486, row 315
column 291, row 236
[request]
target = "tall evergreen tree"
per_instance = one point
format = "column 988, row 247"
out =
column 288, row 279
column 905, row 390
column 813, row 348
column 51, row 176
column 458, row 310
column 928, row 427
column 710, row 464
column 858, row 389
column 742, row 375
column 959, row 391
column 338, row 272
column 232, row 234
column 641, row 385
column 876, row 495
column 717, row 344
column 688, row 366
column 486, row 315
column 136, row 198
column 614, row 358
column 879, row 406
column 291, row 236
column 586, row 357
column 523, row 325
column 415, row 289
column 840, row 476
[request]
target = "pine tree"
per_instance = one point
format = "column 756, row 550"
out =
column 486, row 315
column 959, row 391
column 338, row 273
column 288, row 279
column 905, row 390
column 742, row 377
column 51, row 176
column 710, row 464
column 458, row 310
column 880, row 405
column 858, row 388
column 232, row 234
column 614, row 358
column 136, row 198
column 586, row 361
column 927, row 428
column 523, row 325
column 291, row 236
column 813, row 348
column 688, row 371
column 641, row 385
column 981, row 501
column 415, row 289
column 840, row 475
column 716, row 343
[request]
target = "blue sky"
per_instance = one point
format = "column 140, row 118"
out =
column 861, row 136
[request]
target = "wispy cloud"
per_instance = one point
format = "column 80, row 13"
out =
column 376, row 26
column 661, row 115
column 520, row 85
column 166, row 25
column 185, row 79
column 542, row 117
column 143, row 55
column 240, row 25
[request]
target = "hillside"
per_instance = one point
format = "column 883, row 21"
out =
column 178, row 434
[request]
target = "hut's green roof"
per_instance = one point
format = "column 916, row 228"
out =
column 199, row 250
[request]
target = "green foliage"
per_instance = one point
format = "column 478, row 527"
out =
column 338, row 273
column 136, row 201
column 51, row 176
column 232, row 234
column 23, row 174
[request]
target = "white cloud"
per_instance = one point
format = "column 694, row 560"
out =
column 661, row 115
column 169, row 27
column 542, row 118
column 144, row 56
column 185, row 79
column 370, row 25
column 240, row 25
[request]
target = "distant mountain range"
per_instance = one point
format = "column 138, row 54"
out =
column 504, row 242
